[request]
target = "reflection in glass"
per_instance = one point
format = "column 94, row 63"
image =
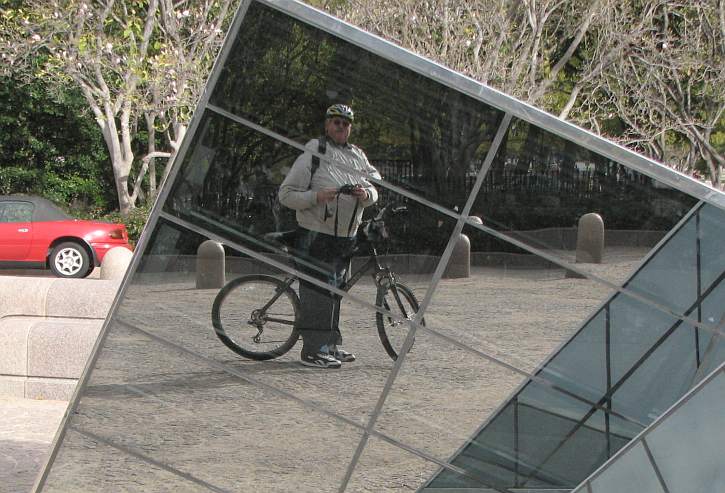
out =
column 629, row 358
column 168, row 305
column 386, row 467
column 166, row 391
column 519, row 308
column 198, row 418
column 421, row 135
column 229, row 179
column 540, row 185
column 88, row 464
column 228, row 185
column 441, row 395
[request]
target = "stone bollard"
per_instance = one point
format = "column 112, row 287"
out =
column 115, row 263
column 589, row 242
column 459, row 265
column 475, row 219
column 590, row 239
column 210, row 265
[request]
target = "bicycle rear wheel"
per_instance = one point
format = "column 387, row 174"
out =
column 400, row 301
column 255, row 316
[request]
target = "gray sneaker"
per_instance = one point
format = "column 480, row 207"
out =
column 320, row 360
column 342, row 355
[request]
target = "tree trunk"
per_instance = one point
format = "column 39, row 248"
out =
column 151, row 128
column 120, row 163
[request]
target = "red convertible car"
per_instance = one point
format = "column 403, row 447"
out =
column 35, row 233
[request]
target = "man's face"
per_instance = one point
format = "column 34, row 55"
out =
column 338, row 129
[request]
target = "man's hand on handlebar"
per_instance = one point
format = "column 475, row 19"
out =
column 390, row 210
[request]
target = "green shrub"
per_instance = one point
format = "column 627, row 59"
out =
column 135, row 221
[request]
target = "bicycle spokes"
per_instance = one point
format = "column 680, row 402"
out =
column 255, row 316
column 393, row 328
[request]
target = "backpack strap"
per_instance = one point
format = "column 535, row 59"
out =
column 321, row 149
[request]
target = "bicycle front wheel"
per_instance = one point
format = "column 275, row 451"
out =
column 400, row 301
column 255, row 316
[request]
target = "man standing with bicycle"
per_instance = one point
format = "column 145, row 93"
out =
column 329, row 196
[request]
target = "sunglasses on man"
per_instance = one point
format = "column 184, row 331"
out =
column 340, row 122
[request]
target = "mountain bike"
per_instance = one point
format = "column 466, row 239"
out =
column 255, row 315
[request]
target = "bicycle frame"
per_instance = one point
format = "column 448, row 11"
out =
column 392, row 296
column 379, row 272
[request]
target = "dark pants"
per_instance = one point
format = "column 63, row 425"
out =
column 326, row 258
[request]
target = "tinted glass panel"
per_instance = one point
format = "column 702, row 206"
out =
column 688, row 446
column 633, row 473
column 588, row 353
column 712, row 237
column 658, row 381
column 637, row 329
column 539, row 187
column 537, row 441
column 520, row 308
column 630, row 357
column 711, row 344
column 423, row 136
column 671, row 276
column 685, row 449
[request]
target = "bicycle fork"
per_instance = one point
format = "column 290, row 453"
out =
column 386, row 282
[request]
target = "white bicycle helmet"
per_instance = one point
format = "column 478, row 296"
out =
column 340, row 110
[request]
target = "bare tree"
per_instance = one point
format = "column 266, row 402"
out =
column 130, row 59
column 669, row 89
column 518, row 47
column 191, row 38
column 656, row 66
column 530, row 49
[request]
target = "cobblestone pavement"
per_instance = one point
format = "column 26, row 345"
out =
column 27, row 428
column 158, row 416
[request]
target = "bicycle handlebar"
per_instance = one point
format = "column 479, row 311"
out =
column 393, row 211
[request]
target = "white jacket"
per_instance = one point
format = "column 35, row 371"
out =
column 347, row 165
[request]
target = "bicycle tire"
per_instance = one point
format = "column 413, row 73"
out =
column 232, row 317
column 404, row 306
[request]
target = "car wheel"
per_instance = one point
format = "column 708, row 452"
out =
column 70, row 259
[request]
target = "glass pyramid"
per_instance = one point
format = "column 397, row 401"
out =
column 681, row 451
column 518, row 368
